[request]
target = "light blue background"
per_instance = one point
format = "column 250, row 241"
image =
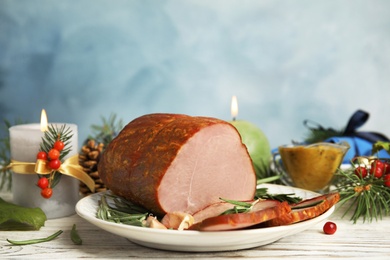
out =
column 286, row 61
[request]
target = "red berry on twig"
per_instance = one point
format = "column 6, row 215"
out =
column 59, row 145
column 53, row 154
column 42, row 155
column 43, row 183
column 55, row 164
column 46, row 193
column 386, row 180
column 361, row 171
column 377, row 168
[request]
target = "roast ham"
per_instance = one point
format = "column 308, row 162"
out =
column 178, row 163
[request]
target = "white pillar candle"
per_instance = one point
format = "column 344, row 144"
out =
column 25, row 142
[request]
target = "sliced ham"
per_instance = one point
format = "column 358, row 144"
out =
column 212, row 210
column 172, row 162
column 265, row 212
column 217, row 209
column 307, row 209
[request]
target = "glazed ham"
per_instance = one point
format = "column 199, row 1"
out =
column 178, row 163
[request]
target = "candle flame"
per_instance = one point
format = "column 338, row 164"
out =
column 234, row 108
column 43, row 121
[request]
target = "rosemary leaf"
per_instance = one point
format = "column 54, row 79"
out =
column 36, row 240
column 74, row 236
column 262, row 193
column 120, row 215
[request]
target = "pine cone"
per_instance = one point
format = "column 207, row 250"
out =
column 89, row 158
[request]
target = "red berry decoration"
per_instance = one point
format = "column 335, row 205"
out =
column 329, row 228
column 46, row 193
column 386, row 168
column 42, row 155
column 386, row 180
column 53, row 154
column 43, row 183
column 377, row 168
column 59, row 145
column 55, row 164
column 361, row 171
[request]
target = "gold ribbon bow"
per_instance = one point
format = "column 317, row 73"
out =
column 70, row 167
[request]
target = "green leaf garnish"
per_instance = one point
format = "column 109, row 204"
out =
column 14, row 217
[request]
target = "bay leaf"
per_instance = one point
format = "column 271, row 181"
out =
column 14, row 217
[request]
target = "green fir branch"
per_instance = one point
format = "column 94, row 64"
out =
column 5, row 156
column 366, row 198
column 107, row 131
column 55, row 133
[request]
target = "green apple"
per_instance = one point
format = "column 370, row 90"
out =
column 257, row 144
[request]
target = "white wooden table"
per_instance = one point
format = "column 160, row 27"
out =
column 360, row 241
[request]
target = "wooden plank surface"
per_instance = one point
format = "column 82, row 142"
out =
column 360, row 241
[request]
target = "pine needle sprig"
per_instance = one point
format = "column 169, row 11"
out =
column 5, row 156
column 318, row 133
column 366, row 198
column 5, row 159
column 108, row 130
column 56, row 133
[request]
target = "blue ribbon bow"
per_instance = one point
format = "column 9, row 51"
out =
column 360, row 142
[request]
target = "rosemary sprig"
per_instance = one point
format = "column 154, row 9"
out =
column 122, row 211
column 116, row 209
column 36, row 240
column 239, row 206
column 262, row 193
column 74, row 236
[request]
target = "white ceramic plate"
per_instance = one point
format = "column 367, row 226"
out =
column 196, row 241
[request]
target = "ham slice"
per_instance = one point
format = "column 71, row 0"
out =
column 178, row 163
column 217, row 209
column 212, row 210
column 264, row 211
column 307, row 209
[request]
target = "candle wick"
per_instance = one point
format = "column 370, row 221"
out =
column 234, row 118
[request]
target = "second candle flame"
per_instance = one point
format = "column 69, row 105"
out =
column 234, row 108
